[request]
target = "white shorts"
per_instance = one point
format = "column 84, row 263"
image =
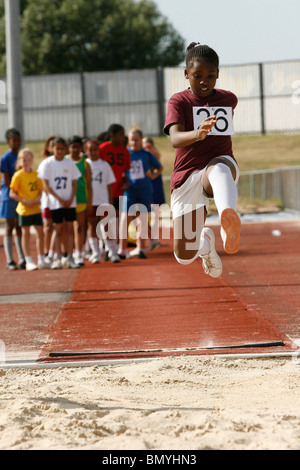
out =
column 191, row 195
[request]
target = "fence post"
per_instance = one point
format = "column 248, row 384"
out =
column 14, row 65
column 160, row 86
column 261, row 96
column 83, row 104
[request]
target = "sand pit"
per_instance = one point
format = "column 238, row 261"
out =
column 183, row 403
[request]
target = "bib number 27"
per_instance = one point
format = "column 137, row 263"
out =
column 224, row 124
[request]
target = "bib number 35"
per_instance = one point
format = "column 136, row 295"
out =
column 224, row 124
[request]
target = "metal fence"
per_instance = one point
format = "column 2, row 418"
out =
column 87, row 103
column 281, row 184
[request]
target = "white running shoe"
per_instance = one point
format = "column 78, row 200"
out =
column 134, row 252
column 230, row 230
column 94, row 258
column 211, row 263
column 115, row 258
column 71, row 264
column 30, row 266
column 64, row 260
column 48, row 261
column 56, row 264
column 79, row 259
column 43, row 265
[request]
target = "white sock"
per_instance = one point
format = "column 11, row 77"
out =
column 112, row 246
column 94, row 245
column 28, row 259
column 224, row 188
column 7, row 243
column 18, row 244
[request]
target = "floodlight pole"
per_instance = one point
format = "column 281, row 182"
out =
column 13, row 64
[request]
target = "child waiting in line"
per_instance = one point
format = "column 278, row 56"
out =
column 46, row 213
column 139, row 196
column 113, row 150
column 60, row 175
column 26, row 188
column 102, row 180
column 83, row 196
column 158, row 195
column 8, row 205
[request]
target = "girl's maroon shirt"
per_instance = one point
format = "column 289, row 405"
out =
column 196, row 156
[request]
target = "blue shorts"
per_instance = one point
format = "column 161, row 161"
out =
column 158, row 191
column 137, row 199
column 8, row 209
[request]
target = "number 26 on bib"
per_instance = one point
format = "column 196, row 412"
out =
column 224, row 124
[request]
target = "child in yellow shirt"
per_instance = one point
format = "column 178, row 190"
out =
column 26, row 188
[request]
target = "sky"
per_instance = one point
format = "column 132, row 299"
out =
column 240, row 31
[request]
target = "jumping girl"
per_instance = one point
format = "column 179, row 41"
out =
column 199, row 122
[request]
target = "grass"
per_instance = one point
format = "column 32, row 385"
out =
column 253, row 152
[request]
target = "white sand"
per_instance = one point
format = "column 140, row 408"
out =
column 169, row 403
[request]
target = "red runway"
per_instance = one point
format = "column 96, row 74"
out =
column 156, row 307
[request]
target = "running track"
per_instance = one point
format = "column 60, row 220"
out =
column 155, row 307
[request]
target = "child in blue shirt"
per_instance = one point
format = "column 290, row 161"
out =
column 8, row 205
column 139, row 196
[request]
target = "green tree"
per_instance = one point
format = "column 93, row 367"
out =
column 60, row 36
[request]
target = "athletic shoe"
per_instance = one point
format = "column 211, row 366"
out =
column 79, row 260
column 71, row 264
column 87, row 254
column 114, row 258
column 56, row 264
column 30, row 266
column 230, row 231
column 64, row 260
column 123, row 254
column 48, row 261
column 154, row 244
column 142, row 254
column 211, row 263
column 43, row 265
column 95, row 258
column 11, row 266
column 134, row 252
column 22, row 265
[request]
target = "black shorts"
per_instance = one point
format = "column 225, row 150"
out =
column 28, row 220
column 67, row 214
column 116, row 203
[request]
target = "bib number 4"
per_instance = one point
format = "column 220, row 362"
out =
column 224, row 124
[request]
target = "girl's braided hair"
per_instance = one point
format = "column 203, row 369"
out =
column 196, row 51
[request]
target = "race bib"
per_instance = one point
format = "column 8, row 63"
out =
column 137, row 170
column 224, row 124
